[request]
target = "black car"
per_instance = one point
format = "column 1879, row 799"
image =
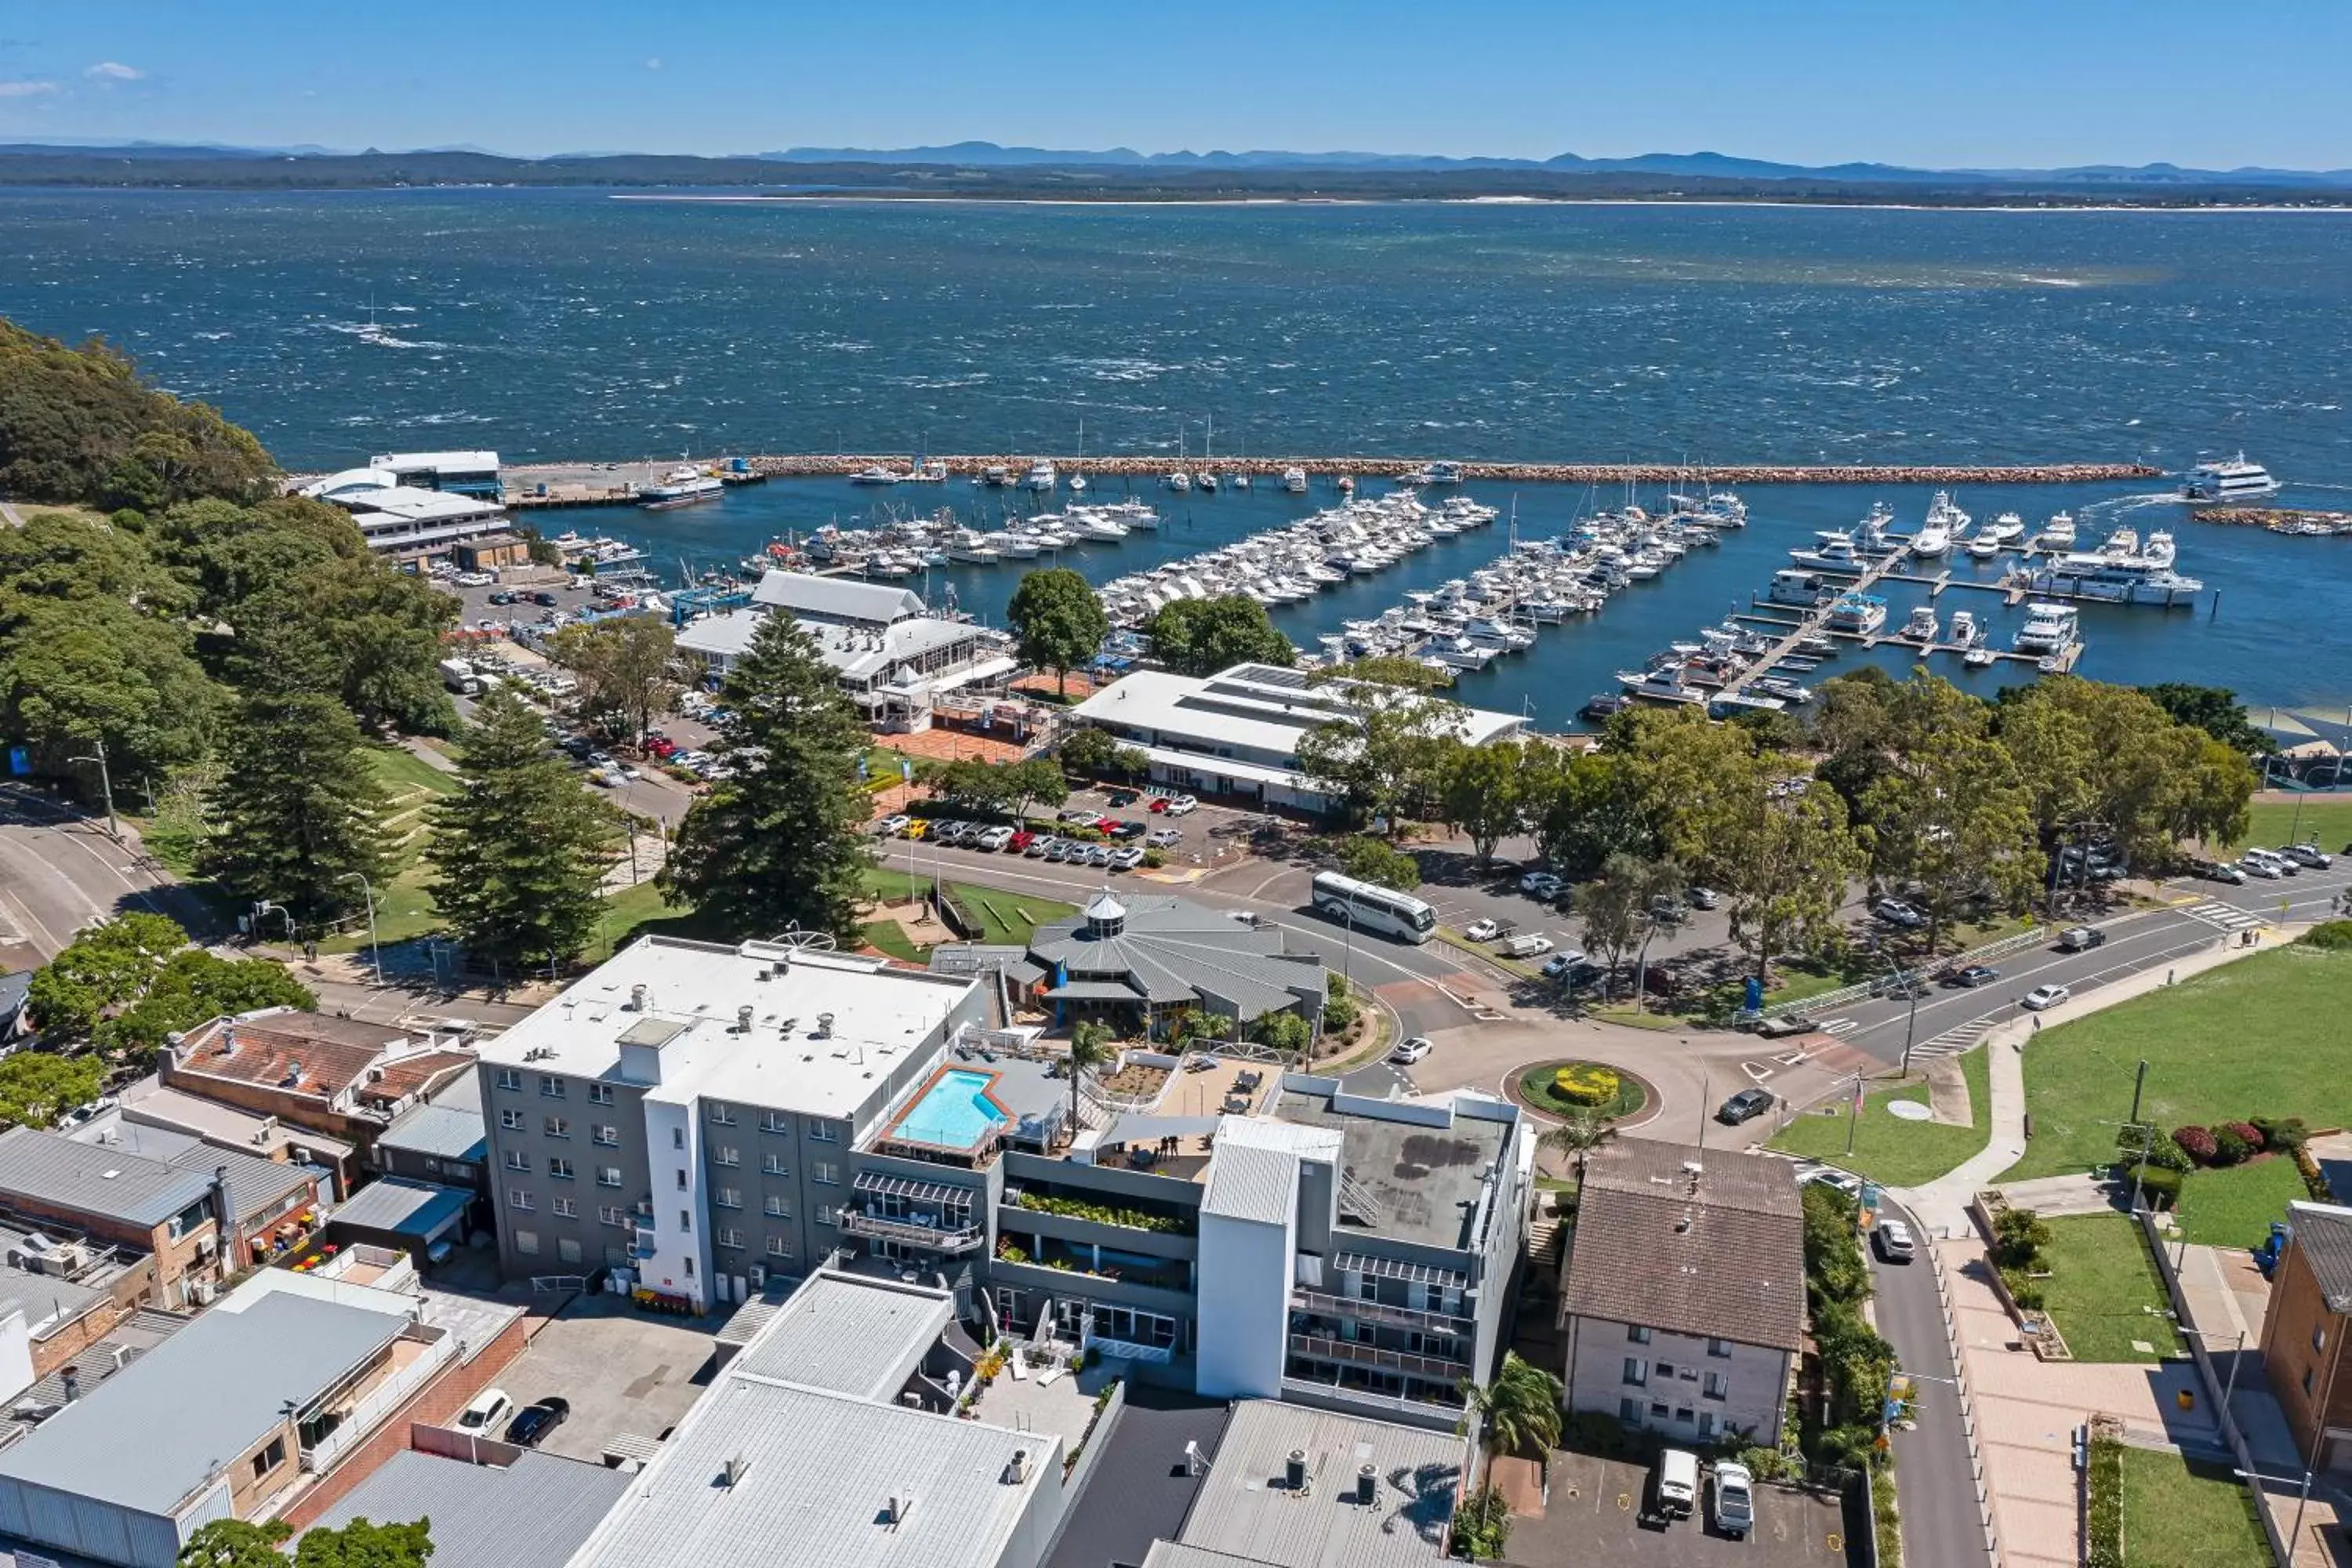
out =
column 544, row 600
column 534, row 1421
column 1128, row 830
column 1123, row 797
column 1747, row 1105
column 1974, row 975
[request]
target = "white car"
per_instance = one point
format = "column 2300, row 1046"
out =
column 490, row 1407
column 475, row 579
column 2261, row 867
column 1734, row 1498
column 2043, row 996
column 1483, row 930
column 1542, row 884
column 1409, row 1051
column 994, row 838
column 1183, row 806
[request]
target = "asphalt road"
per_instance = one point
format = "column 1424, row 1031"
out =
column 1941, row 1526
column 59, row 872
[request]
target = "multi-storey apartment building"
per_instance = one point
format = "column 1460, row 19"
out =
column 717, row 1118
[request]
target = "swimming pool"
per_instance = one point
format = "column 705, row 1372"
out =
column 955, row 1113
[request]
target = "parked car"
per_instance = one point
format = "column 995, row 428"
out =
column 1786, row 1025
column 1974, row 975
column 1704, row 898
column 992, row 837
column 534, row 1421
column 2081, row 938
column 1183, row 806
column 1020, row 841
column 503, row 596
column 1890, row 1238
column 1127, row 859
column 2043, row 996
column 1163, row 838
column 1905, row 985
column 1061, row 849
column 1745, row 1106
column 1540, row 884
column 1562, row 965
column 1078, row 814
column 1483, row 930
column 1038, row 845
column 2310, row 854
column 482, row 1417
column 2220, row 871
column 1896, row 913
column 1674, row 1483
column 1734, row 1492
column 889, row 826
column 1524, row 946
column 2271, row 857
column 1120, row 797
column 1411, row 1050
column 544, row 600
column 1127, row 830
column 2267, row 871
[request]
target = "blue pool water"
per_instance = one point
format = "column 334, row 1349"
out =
column 954, row 1113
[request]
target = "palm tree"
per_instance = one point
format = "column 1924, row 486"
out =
column 1576, row 1138
column 1518, row 1410
column 1090, row 1047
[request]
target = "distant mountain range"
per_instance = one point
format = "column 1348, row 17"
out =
column 983, row 169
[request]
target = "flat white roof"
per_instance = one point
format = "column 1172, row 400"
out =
column 1248, row 705
column 693, row 991
column 442, row 462
column 409, row 504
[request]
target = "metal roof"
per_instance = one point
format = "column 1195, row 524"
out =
column 2322, row 1234
column 907, row 1187
column 1247, row 1511
column 1173, row 950
column 403, row 1206
column 534, row 1513
column 438, row 1129
column 62, row 1174
column 850, row 1335
column 1252, row 1183
column 161, row 1430
column 837, row 598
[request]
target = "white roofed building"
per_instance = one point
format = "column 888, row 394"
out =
column 463, row 473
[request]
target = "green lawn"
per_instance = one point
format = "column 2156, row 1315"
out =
column 1008, row 919
column 2262, row 1035
column 403, row 772
column 2235, row 1207
column 2329, row 815
column 2178, row 1514
column 2102, row 1289
column 1886, row 1148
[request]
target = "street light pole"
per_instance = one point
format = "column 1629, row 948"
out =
column 376, row 948
column 105, row 785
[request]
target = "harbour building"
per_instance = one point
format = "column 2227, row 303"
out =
column 714, row 1123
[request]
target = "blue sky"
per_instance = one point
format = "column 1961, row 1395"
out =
column 1989, row 83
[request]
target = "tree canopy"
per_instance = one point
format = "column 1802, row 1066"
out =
column 623, row 669
column 1201, row 637
column 1057, row 620
column 299, row 812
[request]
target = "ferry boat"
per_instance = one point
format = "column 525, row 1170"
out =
column 1860, row 613
column 1833, row 552
column 1794, row 585
column 2117, row 579
column 2048, row 629
column 1293, row 482
column 1041, row 476
column 2231, row 480
column 682, row 486
column 1923, row 627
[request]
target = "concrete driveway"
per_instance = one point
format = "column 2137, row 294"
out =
column 623, row 1371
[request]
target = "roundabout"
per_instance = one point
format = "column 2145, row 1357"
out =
column 1566, row 1087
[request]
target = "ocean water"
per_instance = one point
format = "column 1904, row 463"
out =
column 573, row 324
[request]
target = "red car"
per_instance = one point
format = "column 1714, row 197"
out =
column 1159, row 802
column 1105, row 824
column 660, row 746
column 1022, row 840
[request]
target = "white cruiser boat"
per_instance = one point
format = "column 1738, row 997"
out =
column 1179, row 481
column 2231, row 480
column 1293, row 482
column 1943, row 510
column 2057, row 535
column 1794, row 585
column 1445, row 473
column 682, row 486
column 1041, row 476
column 2117, row 579
column 1134, row 514
column 2159, row 548
column 1077, row 484
column 1207, row 481
column 1860, row 613
column 1834, row 550
column 1966, row 633
column 2122, row 541
column 876, row 475
column 2006, row 529
column 1932, row 539
column 1980, row 658
column 1984, row 547
column 1923, row 627
column 2048, row 629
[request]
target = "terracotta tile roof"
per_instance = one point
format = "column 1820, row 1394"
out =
column 1718, row 1254
column 325, row 1055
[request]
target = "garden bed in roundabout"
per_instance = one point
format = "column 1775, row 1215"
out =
column 1570, row 1087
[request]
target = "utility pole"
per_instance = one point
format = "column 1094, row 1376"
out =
column 1911, row 1023
column 2138, row 1084
column 106, row 786
column 376, row 948
column 1854, row 1116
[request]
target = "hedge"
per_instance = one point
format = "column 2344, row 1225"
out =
column 1588, row 1083
column 2106, row 1504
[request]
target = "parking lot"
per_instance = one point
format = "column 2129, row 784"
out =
column 624, row 1370
column 1199, row 835
column 1595, row 1516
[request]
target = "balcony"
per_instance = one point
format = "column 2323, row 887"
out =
column 1444, row 1369
column 1318, row 1393
column 1325, row 1305
column 912, row 1232
column 1129, row 1350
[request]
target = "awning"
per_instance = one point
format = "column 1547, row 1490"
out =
column 909, row 1187
column 1395, row 1269
column 1094, row 990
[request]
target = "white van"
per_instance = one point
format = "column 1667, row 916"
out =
column 1675, row 1480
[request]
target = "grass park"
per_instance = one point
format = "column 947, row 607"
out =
column 2179, row 1513
column 2102, row 1291
column 1006, row 918
column 1886, row 1148
column 2327, row 817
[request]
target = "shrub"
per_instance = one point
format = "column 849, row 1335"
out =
column 2249, row 1132
column 2160, row 1189
column 2026, row 1292
column 2017, row 1238
column 1764, row 1464
column 2229, row 1149
column 1587, row 1083
column 2284, row 1133
column 2105, row 1504
column 2334, row 935
column 1482, row 1527
column 2197, row 1143
column 2164, row 1153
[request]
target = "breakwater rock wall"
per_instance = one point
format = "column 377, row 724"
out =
column 784, row 466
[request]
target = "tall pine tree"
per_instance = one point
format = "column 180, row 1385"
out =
column 780, row 841
column 298, row 810
column 520, row 849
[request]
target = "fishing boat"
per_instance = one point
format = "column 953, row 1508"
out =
column 682, row 486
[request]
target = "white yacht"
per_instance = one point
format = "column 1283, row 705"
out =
column 1041, row 476
column 2158, row 547
column 1445, row 473
column 682, row 486
column 1833, row 552
column 876, row 475
column 1794, row 585
column 1984, row 547
column 2122, row 541
column 2117, row 579
column 2057, row 535
column 1942, row 510
column 1932, row 539
column 1179, row 480
column 1923, row 627
column 2048, row 629
column 1860, row 613
column 2006, row 529
column 1966, row 633
column 1293, row 482
column 1207, row 481
column 2231, row 480
column 1077, row 484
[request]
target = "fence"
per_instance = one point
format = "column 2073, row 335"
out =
column 2239, row 1450
column 1870, row 988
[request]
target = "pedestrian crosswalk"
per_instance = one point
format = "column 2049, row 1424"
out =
column 2225, row 917
column 1954, row 1040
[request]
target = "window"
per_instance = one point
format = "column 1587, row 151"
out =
column 1718, row 1386
column 608, row 1175
column 270, row 1459
column 1666, row 1369
column 609, row 1214
column 828, row 1213
column 1629, row 1412
column 511, row 1120
column 2318, row 1336
column 567, row 1249
column 600, row 1094
column 721, row 1113
column 510, row 1078
column 685, row 1221
column 551, row 1085
column 517, row 1161
column 729, row 1198
column 1707, row 1422
column 728, row 1155
column 729, row 1236
column 527, row 1243
column 1657, row 1412
column 563, row 1208
column 1636, row 1334
column 825, row 1131
column 824, row 1173
column 559, row 1167
column 774, row 1164
column 779, row 1247
column 1637, row 1371
column 610, row 1137
column 774, row 1121
column 778, row 1208
column 1719, row 1348
column 1683, row 1414
column 678, row 1137
column 521, row 1198
column 559, row 1127
column 616, row 1257
column 680, row 1174
column 690, row 1268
